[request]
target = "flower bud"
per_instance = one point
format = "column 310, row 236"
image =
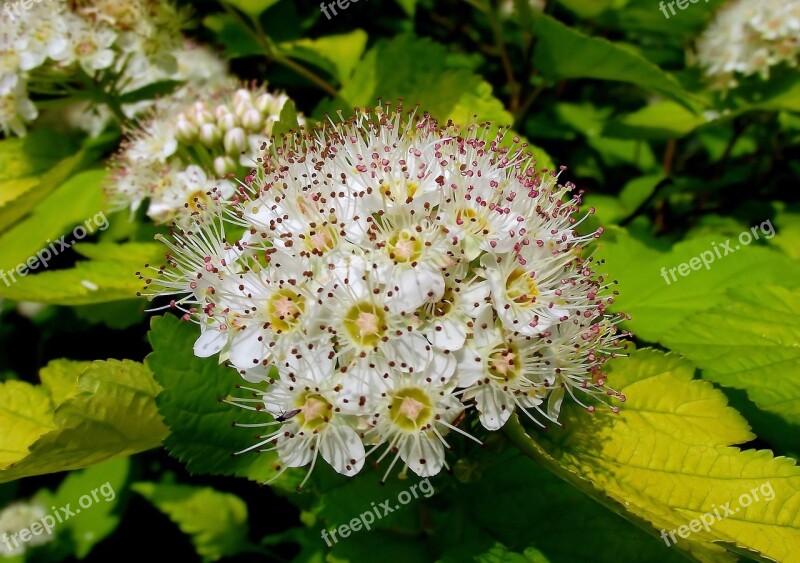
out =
column 242, row 96
column 227, row 122
column 235, row 141
column 209, row 134
column 224, row 165
column 253, row 120
column 202, row 114
column 269, row 104
column 186, row 131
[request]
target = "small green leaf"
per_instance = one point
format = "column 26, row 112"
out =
column 60, row 378
column 102, row 483
column 409, row 7
column 418, row 73
column 23, row 194
column 215, row 521
column 659, row 121
column 150, row 91
column 337, row 55
column 287, row 122
column 237, row 40
column 253, row 8
column 111, row 276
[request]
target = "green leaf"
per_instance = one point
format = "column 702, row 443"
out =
column 287, row 122
column 201, row 427
column 76, row 203
column 111, row 276
column 592, row 57
column 337, row 55
column 253, row 8
column 589, row 120
column 659, row 121
column 112, row 414
column 32, row 155
column 102, row 483
column 657, row 302
column 665, row 457
column 418, row 74
column 215, row 521
column 501, row 553
column 788, row 233
column 237, row 40
column 409, row 7
column 751, row 341
column 637, row 190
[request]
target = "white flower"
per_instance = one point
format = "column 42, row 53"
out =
column 415, row 414
column 390, row 274
column 16, row 517
column 15, row 107
column 499, row 369
column 305, row 397
column 747, row 38
column 46, row 36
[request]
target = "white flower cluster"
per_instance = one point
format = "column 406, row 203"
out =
column 179, row 157
column 16, row 517
column 391, row 273
column 748, row 37
column 59, row 47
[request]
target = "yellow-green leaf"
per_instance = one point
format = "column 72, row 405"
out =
column 26, row 413
column 666, row 458
column 113, row 414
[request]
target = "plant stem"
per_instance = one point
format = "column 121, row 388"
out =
column 261, row 38
column 513, row 87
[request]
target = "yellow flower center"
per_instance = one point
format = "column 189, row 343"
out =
column 400, row 194
column 504, row 363
column 520, row 287
column 403, row 247
column 365, row 324
column 411, row 409
column 315, row 411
